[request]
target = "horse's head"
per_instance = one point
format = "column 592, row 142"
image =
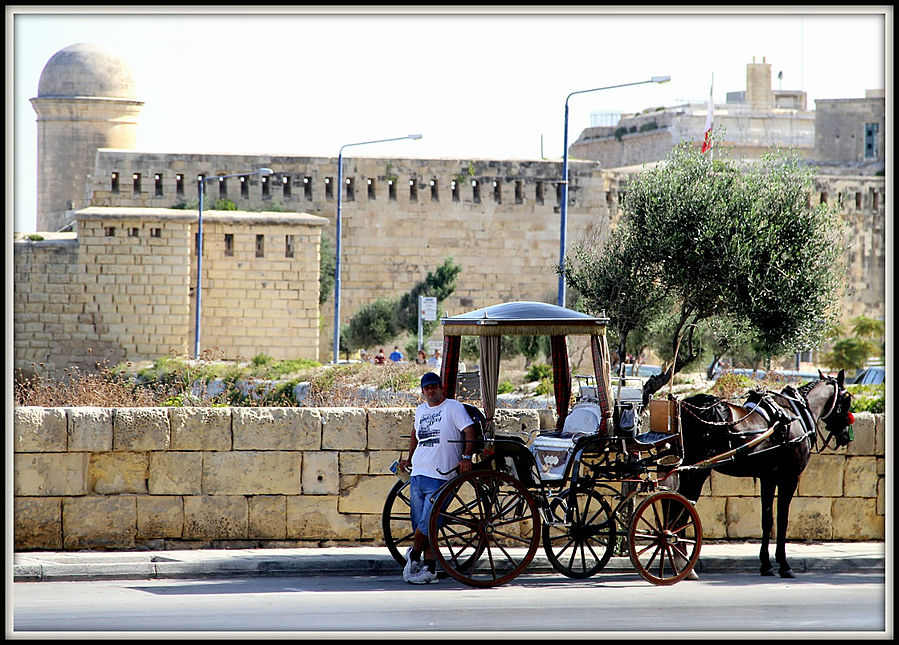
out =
column 836, row 414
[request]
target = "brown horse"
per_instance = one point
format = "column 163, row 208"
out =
column 770, row 437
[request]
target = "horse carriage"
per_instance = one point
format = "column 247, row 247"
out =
column 604, row 480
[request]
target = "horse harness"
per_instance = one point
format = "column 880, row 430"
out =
column 778, row 424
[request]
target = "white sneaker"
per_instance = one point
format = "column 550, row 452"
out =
column 411, row 567
column 423, row 577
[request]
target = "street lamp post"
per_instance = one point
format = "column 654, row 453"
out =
column 338, row 234
column 563, row 207
column 201, row 182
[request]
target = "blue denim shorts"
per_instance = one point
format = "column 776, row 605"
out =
column 421, row 489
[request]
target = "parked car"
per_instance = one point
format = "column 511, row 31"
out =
column 644, row 371
column 870, row 376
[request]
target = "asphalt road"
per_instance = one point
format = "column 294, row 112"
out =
column 715, row 604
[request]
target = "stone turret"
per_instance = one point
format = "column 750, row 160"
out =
column 86, row 100
column 758, row 85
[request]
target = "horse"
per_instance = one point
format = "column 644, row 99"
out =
column 770, row 437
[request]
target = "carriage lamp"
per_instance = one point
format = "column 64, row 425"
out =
column 338, row 234
column 563, row 207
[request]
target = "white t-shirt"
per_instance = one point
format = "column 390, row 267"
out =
column 440, row 439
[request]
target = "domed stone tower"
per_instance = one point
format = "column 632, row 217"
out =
column 86, row 100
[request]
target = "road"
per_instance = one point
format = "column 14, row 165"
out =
column 531, row 603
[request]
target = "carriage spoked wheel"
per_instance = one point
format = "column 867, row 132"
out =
column 488, row 518
column 584, row 540
column 664, row 538
column 396, row 521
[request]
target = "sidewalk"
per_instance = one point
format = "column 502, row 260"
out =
column 831, row 557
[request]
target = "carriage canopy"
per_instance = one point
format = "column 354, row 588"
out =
column 519, row 318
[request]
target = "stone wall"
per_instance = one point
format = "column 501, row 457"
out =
column 174, row 478
column 401, row 218
column 124, row 287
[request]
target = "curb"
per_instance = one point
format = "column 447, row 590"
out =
column 147, row 566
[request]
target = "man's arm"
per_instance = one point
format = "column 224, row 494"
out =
column 467, row 449
column 406, row 464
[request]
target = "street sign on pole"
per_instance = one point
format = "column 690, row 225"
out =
column 428, row 308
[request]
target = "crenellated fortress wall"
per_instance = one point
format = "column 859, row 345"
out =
column 401, row 218
column 175, row 478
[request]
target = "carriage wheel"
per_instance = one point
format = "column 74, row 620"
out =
column 487, row 517
column 664, row 538
column 583, row 547
column 396, row 521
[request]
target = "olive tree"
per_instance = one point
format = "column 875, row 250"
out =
column 709, row 241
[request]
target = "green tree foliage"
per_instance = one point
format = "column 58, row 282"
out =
column 439, row 283
column 849, row 354
column 705, row 239
column 381, row 321
column 372, row 325
column 327, row 264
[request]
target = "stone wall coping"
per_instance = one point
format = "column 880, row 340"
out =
column 49, row 238
column 227, row 217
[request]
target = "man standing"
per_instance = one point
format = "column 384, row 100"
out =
column 442, row 441
column 396, row 355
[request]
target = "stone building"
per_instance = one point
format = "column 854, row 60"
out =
column 850, row 132
column 751, row 121
column 89, row 295
column 122, row 288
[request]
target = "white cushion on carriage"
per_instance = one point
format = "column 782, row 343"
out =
column 584, row 418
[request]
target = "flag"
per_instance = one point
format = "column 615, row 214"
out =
column 707, row 139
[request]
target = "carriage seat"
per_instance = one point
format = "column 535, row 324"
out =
column 585, row 418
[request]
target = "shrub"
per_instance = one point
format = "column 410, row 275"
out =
column 868, row 398
column 505, row 387
column 544, row 387
column 539, row 371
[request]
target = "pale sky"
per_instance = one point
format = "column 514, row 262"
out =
column 475, row 85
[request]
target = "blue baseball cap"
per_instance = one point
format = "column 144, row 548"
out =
column 430, row 378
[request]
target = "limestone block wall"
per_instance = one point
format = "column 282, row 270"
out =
column 124, row 287
column 174, row 478
column 260, row 285
column 130, row 478
column 136, row 272
column 48, row 301
column 860, row 200
column 401, row 218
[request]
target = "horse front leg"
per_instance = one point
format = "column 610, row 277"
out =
column 785, row 491
column 767, row 488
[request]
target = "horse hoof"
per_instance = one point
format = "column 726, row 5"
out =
column 768, row 572
column 692, row 575
column 788, row 573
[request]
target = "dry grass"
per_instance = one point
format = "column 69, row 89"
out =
column 348, row 385
column 77, row 388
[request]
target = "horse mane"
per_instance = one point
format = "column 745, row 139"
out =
column 806, row 388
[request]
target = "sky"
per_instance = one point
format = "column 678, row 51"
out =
column 492, row 84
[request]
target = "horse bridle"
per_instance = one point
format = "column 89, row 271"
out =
column 833, row 405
